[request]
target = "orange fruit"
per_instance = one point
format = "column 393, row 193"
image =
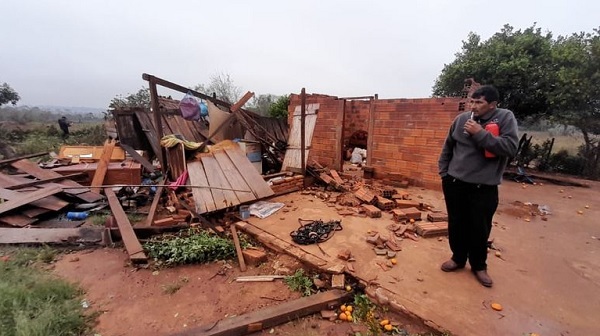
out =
column 388, row 327
column 412, row 220
column 496, row 306
column 342, row 316
column 393, row 261
column 384, row 322
column 349, row 309
column 343, row 308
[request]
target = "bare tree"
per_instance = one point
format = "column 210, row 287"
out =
column 222, row 86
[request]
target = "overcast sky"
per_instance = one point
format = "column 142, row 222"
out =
column 85, row 52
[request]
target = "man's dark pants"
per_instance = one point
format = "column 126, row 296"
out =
column 471, row 208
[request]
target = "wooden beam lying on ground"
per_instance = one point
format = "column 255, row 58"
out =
column 132, row 244
column 27, row 198
column 271, row 316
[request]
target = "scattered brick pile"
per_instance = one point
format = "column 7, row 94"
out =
column 287, row 184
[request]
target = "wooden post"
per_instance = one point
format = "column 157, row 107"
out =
column 303, row 131
column 372, row 102
column 157, row 121
column 238, row 248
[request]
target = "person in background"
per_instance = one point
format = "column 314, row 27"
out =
column 475, row 153
column 64, row 124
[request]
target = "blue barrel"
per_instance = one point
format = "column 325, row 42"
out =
column 72, row 215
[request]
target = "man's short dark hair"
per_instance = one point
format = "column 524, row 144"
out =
column 488, row 92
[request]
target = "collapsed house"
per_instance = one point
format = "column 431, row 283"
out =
column 215, row 165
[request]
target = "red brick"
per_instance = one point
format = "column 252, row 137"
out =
column 371, row 211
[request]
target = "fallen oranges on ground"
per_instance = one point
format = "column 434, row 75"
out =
column 346, row 314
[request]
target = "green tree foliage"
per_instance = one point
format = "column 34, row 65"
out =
column 223, row 86
column 575, row 98
column 8, row 95
column 138, row 99
column 538, row 76
column 279, row 109
column 515, row 61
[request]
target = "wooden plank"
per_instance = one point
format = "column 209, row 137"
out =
column 149, row 130
column 58, row 224
column 11, row 160
column 238, row 248
column 236, row 180
column 176, row 160
column 254, row 180
column 137, row 157
column 271, row 316
column 152, row 211
column 27, row 198
column 34, row 170
column 50, row 236
column 202, row 196
column 33, row 183
column 50, row 202
column 17, row 220
column 34, row 212
column 216, row 178
column 132, row 244
column 102, row 166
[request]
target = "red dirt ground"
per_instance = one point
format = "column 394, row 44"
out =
column 134, row 302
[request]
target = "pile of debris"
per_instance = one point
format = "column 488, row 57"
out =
column 353, row 196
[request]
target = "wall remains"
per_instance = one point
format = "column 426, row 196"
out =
column 405, row 137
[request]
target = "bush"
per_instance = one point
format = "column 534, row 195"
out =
column 562, row 162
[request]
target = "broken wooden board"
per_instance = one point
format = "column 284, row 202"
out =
column 232, row 176
column 102, row 167
column 271, row 316
column 293, row 154
column 33, row 169
column 137, row 157
column 50, row 236
column 17, row 220
column 27, row 198
column 132, row 244
column 49, row 203
column 58, row 224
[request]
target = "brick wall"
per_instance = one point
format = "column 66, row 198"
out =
column 405, row 139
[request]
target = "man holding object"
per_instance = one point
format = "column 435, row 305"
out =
column 471, row 166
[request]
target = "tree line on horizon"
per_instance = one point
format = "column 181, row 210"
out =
column 539, row 76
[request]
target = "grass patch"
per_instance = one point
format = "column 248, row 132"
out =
column 33, row 302
column 300, row 282
column 191, row 246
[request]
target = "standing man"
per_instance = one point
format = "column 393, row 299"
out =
column 64, row 126
column 471, row 166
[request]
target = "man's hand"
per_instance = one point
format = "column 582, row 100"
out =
column 472, row 127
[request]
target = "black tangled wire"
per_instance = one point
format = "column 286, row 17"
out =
column 315, row 231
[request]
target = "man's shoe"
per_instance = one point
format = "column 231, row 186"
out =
column 483, row 278
column 451, row 266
